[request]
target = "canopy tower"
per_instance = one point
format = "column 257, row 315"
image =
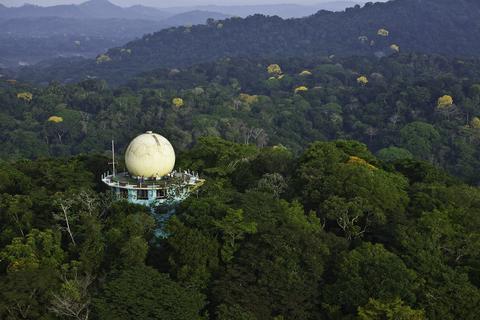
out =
column 150, row 179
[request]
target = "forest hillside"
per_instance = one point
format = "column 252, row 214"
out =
column 333, row 233
column 428, row 26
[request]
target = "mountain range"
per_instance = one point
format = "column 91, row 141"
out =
column 29, row 34
column 286, row 10
column 99, row 9
column 103, row 9
column 381, row 29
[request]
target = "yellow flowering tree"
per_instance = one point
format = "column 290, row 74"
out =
column 363, row 80
column 25, row 96
column 177, row 102
column 103, row 58
column 274, row 69
column 359, row 161
column 395, row 47
column 305, row 73
column 248, row 99
column 301, row 89
column 475, row 123
column 444, row 102
column 55, row 119
column 383, row 32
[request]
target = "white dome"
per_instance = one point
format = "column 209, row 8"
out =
column 150, row 156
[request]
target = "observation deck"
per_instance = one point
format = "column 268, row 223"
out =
column 169, row 190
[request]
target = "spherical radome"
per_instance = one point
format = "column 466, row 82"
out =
column 149, row 155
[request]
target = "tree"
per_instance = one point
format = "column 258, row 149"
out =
column 73, row 300
column 274, row 69
column 219, row 157
column 353, row 217
column 33, row 266
column 370, row 271
column 301, row 89
column 193, row 256
column 77, row 206
column 234, row 228
column 327, row 171
column 103, row 58
column 273, row 183
column 131, row 226
column 420, row 139
column 445, row 101
column 383, row 32
column 441, row 246
column 177, row 102
column 276, row 271
column 55, row 119
column 25, row 96
column 475, row 123
column 234, row 312
column 445, row 105
column 395, row 48
column 391, row 154
column 362, row 80
column 18, row 212
column 26, row 293
column 143, row 293
column 391, row 310
column 38, row 248
column 317, row 166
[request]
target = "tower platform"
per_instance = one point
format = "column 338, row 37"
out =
column 154, row 192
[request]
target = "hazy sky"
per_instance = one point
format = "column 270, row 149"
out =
column 167, row 3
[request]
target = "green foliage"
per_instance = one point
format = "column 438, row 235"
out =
column 33, row 264
column 357, row 196
column 276, row 269
column 360, row 31
column 394, row 310
column 393, row 153
column 231, row 99
column 234, row 312
column 193, row 257
column 37, row 249
column 332, row 232
column 144, row 293
column 371, row 271
column 234, row 228
column 420, row 139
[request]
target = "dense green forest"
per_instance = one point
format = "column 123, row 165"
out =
column 337, row 187
column 333, row 233
column 403, row 106
column 428, row 26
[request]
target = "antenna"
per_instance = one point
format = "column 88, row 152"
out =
column 113, row 158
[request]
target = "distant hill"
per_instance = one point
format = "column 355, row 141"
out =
column 281, row 10
column 91, row 9
column 193, row 17
column 25, row 41
column 108, row 10
column 120, row 29
column 430, row 26
column 30, row 34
